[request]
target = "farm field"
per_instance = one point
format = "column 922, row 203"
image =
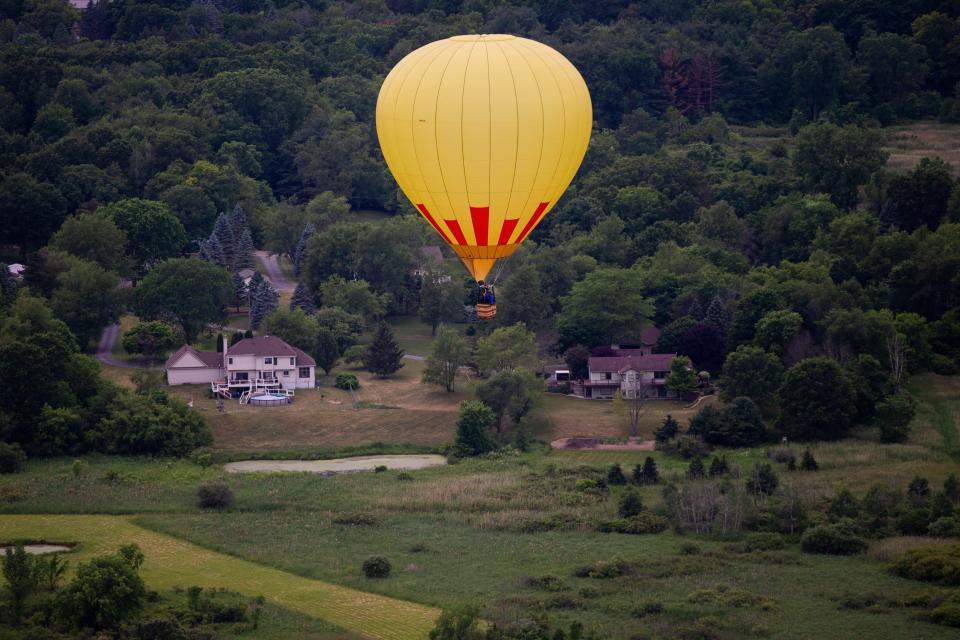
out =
column 172, row 563
column 487, row 531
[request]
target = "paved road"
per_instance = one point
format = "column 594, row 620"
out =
column 105, row 349
column 275, row 273
column 410, row 356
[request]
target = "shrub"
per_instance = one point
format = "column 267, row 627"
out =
column 838, row 539
column 645, row 609
column 615, row 474
column 690, row 549
column 630, row 504
column 380, row 468
column 215, row 494
column 548, row 583
column 104, row 592
column 376, row 567
column 419, row 548
column 405, row 475
column 781, row 455
column 718, row 467
column 648, row 473
column 357, row 519
column 763, row 480
column 808, row 462
column 604, row 570
column 688, row 447
column 668, row 430
column 945, row 527
column 696, row 470
column 893, row 416
column 762, row 542
column 643, row 523
column 346, row 381
column 459, row 624
column 947, row 614
column 915, row 522
column 939, row 565
column 12, row 457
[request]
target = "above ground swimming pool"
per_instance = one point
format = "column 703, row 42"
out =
column 269, row 400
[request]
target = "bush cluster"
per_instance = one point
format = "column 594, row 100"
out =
column 840, row 539
column 376, row 567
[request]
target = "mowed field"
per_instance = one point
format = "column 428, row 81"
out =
column 172, row 563
column 907, row 144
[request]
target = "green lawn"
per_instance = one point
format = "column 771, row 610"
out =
column 173, row 563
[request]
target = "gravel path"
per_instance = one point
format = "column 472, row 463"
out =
column 105, row 349
column 274, row 272
column 338, row 465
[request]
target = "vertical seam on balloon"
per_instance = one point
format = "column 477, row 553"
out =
column 489, row 203
column 463, row 142
column 416, row 94
column 543, row 134
column 393, row 115
column 563, row 119
column 516, row 138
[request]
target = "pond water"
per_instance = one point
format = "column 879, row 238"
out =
column 39, row 549
column 338, row 465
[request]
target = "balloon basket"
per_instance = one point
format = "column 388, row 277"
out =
column 486, row 311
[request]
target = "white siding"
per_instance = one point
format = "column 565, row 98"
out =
column 198, row 375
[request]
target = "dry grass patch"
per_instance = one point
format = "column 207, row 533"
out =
column 909, row 143
column 889, row 549
column 571, row 417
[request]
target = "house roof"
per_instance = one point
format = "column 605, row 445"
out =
column 208, row 358
column 245, row 273
column 650, row 335
column 261, row 346
column 619, row 364
column 267, row 346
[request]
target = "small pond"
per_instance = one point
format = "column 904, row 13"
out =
column 338, row 465
column 39, row 549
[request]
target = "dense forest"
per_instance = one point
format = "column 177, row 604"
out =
column 735, row 191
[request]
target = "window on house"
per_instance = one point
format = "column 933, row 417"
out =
column 609, row 376
column 304, row 372
column 660, row 374
column 229, row 360
column 286, row 373
column 293, row 361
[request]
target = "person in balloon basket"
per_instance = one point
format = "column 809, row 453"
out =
column 486, row 293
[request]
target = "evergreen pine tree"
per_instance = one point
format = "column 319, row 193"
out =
column 244, row 255
column 303, row 299
column 696, row 470
column 951, row 487
column 717, row 315
column 808, row 463
column 264, row 301
column 718, row 467
column 300, row 252
column 615, row 474
column 630, row 504
column 223, row 234
column 650, row 473
column 238, row 220
column 668, row 430
column 211, row 250
column 695, row 310
column 638, row 474
column 8, row 285
column 239, row 291
column 384, row 356
column 255, row 281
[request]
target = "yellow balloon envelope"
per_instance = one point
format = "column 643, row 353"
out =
column 484, row 133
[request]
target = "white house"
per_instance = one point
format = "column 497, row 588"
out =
column 265, row 362
column 631, row 374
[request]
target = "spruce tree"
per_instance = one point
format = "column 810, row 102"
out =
column 384, row 356
column 808, row 463
column 615, row 474
column 668, row 430
column 717, row 315
column 718, row 467
column 300, row 253
column 951, row 487
column 650, row 473
column 264, row 301
column 238, row 220
column 8, row 286
column 303, row 299
column 224, row 235
column 630, row 504
column 239, row 291
column 696, row 470
column 244, row 255
column 695, row 310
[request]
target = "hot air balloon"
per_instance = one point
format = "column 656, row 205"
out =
column 483, row 133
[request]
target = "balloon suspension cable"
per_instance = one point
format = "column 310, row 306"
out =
column 500, row 267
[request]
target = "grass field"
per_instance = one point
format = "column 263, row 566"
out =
column 173, row 563
column 482, row 531
column 907, row 144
